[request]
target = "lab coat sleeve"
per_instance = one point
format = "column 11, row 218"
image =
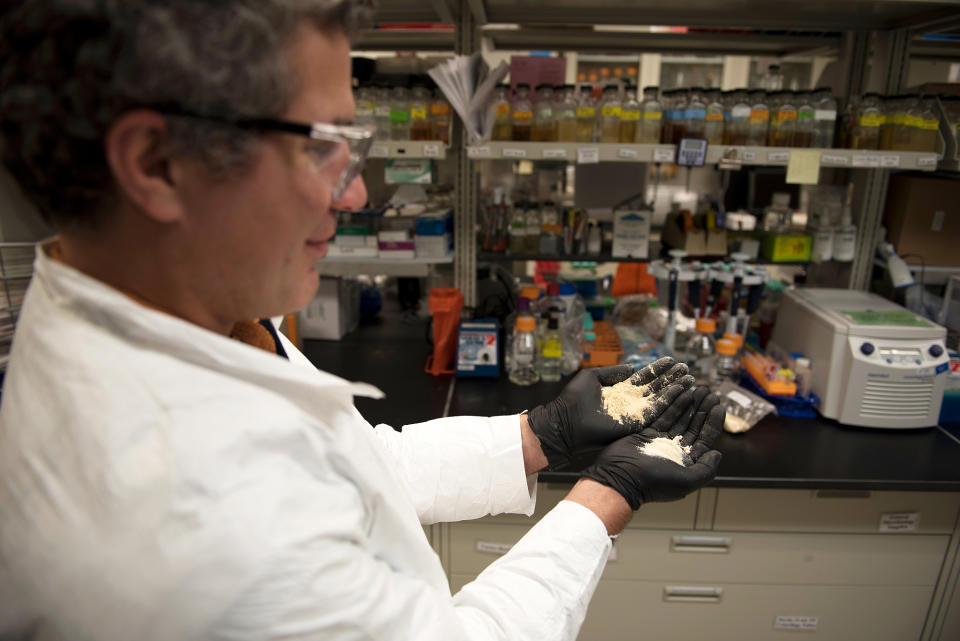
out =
column 462, row 467
column 330, row 587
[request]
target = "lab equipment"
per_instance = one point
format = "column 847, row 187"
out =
column 477, row 348
column 523, row 363
column 551, row 352
column 700, row 353
column 873, row 363
column 726, row 366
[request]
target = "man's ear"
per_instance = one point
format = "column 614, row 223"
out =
column 138, row 155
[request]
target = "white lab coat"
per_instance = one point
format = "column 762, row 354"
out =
column 160, row 482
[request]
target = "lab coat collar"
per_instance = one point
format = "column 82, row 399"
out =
column 75, row 292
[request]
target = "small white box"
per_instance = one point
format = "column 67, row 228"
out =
column 333, row 312
column 394, row 236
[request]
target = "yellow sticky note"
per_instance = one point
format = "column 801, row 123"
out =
column 804, row 167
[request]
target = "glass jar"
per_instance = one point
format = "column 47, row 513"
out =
column 399, row 114
column 759, row 119
column 783, row 120
column 586, row 118
column 381, row 112
column 421, row 126
column 700, row 353
column 737, row 130
column 695, row 114
column 714, row 123
column 544, row 123
column 523, row 362
column 804, row 133
column 866, row 132
column 824, row 118
column 727, row 364
column 500, row 109
column 566, row 114
column 927, row 125
column 610, row 108
column 441, row 113
column 630, row 116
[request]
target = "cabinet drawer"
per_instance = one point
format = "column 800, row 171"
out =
column 673, row 515
column 736, row 612
column 814, row 559
column 830, row 510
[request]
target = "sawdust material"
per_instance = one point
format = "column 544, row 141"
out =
column 735, row 424
column 625, row 401
column 669, row 449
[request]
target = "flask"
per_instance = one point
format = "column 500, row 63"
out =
column 727, row 365
column 522, row 113
column 523, row 364
column 500, row 106
column 652, row 123
column 551, row 354
column 700, row 353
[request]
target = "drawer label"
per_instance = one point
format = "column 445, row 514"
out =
column 795, row 623
column 491, row 547
column 900, row 522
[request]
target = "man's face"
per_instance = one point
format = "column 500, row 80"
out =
column 264, row 231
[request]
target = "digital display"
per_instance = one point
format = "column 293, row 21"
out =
column 694, row 145
column 899, row 351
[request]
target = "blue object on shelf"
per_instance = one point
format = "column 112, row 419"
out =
column 793, row 406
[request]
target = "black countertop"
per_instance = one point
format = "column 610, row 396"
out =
column 778, row 453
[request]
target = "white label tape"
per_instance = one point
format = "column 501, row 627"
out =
column 663, row 155
column 629, row 154
column 378, row 151
column 831, row 159
column 555, row 153
column 796, row 623
column 478, row 152
column 514, row 153
column 588, row 155
column 431, row 150
column 900, row 522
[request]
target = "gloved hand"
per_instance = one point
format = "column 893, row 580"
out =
column 576, row 422
column 641, row 478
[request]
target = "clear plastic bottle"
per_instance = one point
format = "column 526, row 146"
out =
column 421, row 126
column 523, row 363
column 571, row 327
column 381, row 113
column 727, row 364
column 566, row 115
column 522, row 113
column 737, row 130
column 551, row 352
column 544, row 121
column 586, row 118
column 610, row 108
column 399, row 114
column 630, row 116
column 714, row 125
column 759, row 119
column 824, row 118
column 500, row 107
column 651, row 126
column 804, row 133
column 695, row 114
column 700, row 353
column 866, row 133
column 783, row 121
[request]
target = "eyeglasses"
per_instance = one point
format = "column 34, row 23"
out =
column 325, row 140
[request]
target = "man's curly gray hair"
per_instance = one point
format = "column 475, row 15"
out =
column 69, row 68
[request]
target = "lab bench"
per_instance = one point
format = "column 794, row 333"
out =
column 849, row 532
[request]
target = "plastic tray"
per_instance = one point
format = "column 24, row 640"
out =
column 793, row 406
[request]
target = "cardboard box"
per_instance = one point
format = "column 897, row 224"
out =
column 922, row 217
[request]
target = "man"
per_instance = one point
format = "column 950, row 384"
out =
column 161, row 481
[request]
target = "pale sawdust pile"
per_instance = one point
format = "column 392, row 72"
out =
column 625, row 401
column 667, row 448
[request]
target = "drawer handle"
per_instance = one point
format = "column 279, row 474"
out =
column 843, row 494
column 701, row 544
column 692, row 594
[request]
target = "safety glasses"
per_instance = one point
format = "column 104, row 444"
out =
column 325, row 140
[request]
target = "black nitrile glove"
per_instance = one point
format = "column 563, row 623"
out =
column 576, row 422
column 641, row 478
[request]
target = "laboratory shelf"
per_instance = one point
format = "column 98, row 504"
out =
column 408, row 149
column 608, row 258
column 587, row 153
column 359, row 265
column 386, row 39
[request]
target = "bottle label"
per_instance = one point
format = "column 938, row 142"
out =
column 805, row 114
column 630, row 115
column 503, row 109
column 552, row 348
column 871, row 120
column 785, row 115
column 714, row 117
column 674, row 114
column 696, row 114
column 740, row 112
column 759, row 115
column 930, row 125
column 610, row 112
column 522, row 115
column 652, row 115
column 382, row 111
column 418, row 114
column 899, row 119
column 825, row 114
column 586, row 112
column 443, row 109
column 399, row 115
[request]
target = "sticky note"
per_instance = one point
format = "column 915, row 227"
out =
column 803, row 168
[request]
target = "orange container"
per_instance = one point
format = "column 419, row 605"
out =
column 759, row 368
column 445, row 305
column 605, row 349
